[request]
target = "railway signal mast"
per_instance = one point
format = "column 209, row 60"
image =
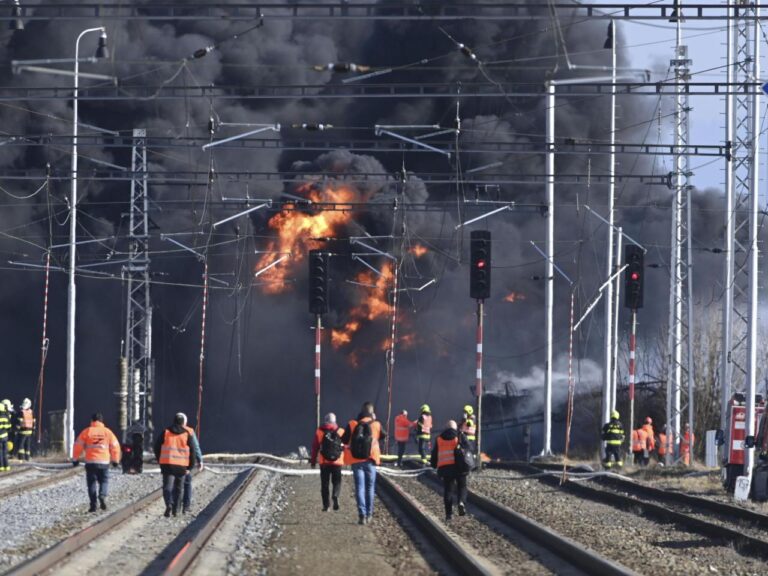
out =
column 318, row 305
column 480, row 290
column 634, row 278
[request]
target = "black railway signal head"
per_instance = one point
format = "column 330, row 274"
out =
column 318, row 282
column 634, row 276
column 480, row 264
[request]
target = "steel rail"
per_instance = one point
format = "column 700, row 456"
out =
column 470, row 146
column 345, row 11
column 37, row 483
column 743, row 543
column 572, row 552
column 438, row 537
column 47, row 559
column 504, row 90
column 181, row 562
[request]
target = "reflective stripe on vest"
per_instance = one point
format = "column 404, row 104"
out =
column 27, row 419
column 175, row 449
column 445, row 452
column 426, row 426
column 469, row 428
column 402, row 428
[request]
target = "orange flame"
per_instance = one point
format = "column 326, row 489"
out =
column 514, row 297
column 375, row 304
column 418, row 250
column 296, row 228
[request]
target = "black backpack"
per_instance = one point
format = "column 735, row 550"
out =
column 330, row 447
column 464, row 458
column 362, row 441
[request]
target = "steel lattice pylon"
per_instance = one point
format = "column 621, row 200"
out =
column 136, row 395
column 738, row 369
column 680, row 375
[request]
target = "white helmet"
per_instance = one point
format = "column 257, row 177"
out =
column 26, row 403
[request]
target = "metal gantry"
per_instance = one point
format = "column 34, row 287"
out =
column 680, row 359
column 738, row 370
column 136, row 390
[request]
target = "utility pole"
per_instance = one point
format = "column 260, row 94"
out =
column 739, row 362
column 137, row 398
column 679, row 365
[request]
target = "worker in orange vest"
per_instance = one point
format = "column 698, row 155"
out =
column 686, row 444
column 640, row 446
column 186, row 500
column 174, row 452
column 362, row 437
column 327, row 449
column 663, row 445
column 25, row 426
column 100, row 447
column 402, row 432
column 648, row 427
column 424, row 432
column 444, row 459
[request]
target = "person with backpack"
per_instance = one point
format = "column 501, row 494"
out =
column 329, row 451
column 364, row 454
column 450, row 457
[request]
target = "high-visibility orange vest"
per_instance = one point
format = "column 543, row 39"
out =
column 685, row 447
column 319, row 433
column 27, row 419
column 650, row 437
column 175, row 449
column 426, row 426
column 375, row 435
column 99, row 444
column 662, row 444
column 402, row 428
column 445, row 451
column 638, row 441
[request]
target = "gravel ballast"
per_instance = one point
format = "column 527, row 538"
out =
column 37, row 519
column 631, row 539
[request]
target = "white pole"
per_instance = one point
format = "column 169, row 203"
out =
column 549, row 268
column 751, row 384
column 69, row 418
column 615, row 335
column 608, row 345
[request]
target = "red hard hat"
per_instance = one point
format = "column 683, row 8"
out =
column 648, row 420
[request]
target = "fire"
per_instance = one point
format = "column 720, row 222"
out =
column 375, row 304
column 295, row 229
column 418, row 250
column 514, row 297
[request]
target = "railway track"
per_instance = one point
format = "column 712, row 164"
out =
column 21, row 480
column 541, row 550
column 103, row 538
column 738, row 527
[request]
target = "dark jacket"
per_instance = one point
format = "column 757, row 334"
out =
column 167, row 468
column 449, row 434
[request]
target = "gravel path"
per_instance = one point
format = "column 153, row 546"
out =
column 240, row 542
column 636, row 542
column 133, row 545
column 39, row 518
column 483, row 539
column 310, row 538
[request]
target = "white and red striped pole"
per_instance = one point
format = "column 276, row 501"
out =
column 43, row 349
column 202, row 347
column 318, row 349
column 632, row 371
column 479, row 378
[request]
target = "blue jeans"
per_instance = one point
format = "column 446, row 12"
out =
column 365, row 486
column 172, row 490
column 97, row 478
column 187, row 498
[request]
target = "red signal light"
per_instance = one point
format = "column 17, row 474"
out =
column 634, row 276
column 481, row 263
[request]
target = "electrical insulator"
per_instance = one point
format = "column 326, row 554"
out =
column 312, row 126
column 633, row 277
column 467, row 51
column 480, row 264
column 341, row 67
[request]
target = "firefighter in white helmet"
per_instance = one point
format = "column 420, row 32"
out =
column 25, row 426
column 468, row 427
